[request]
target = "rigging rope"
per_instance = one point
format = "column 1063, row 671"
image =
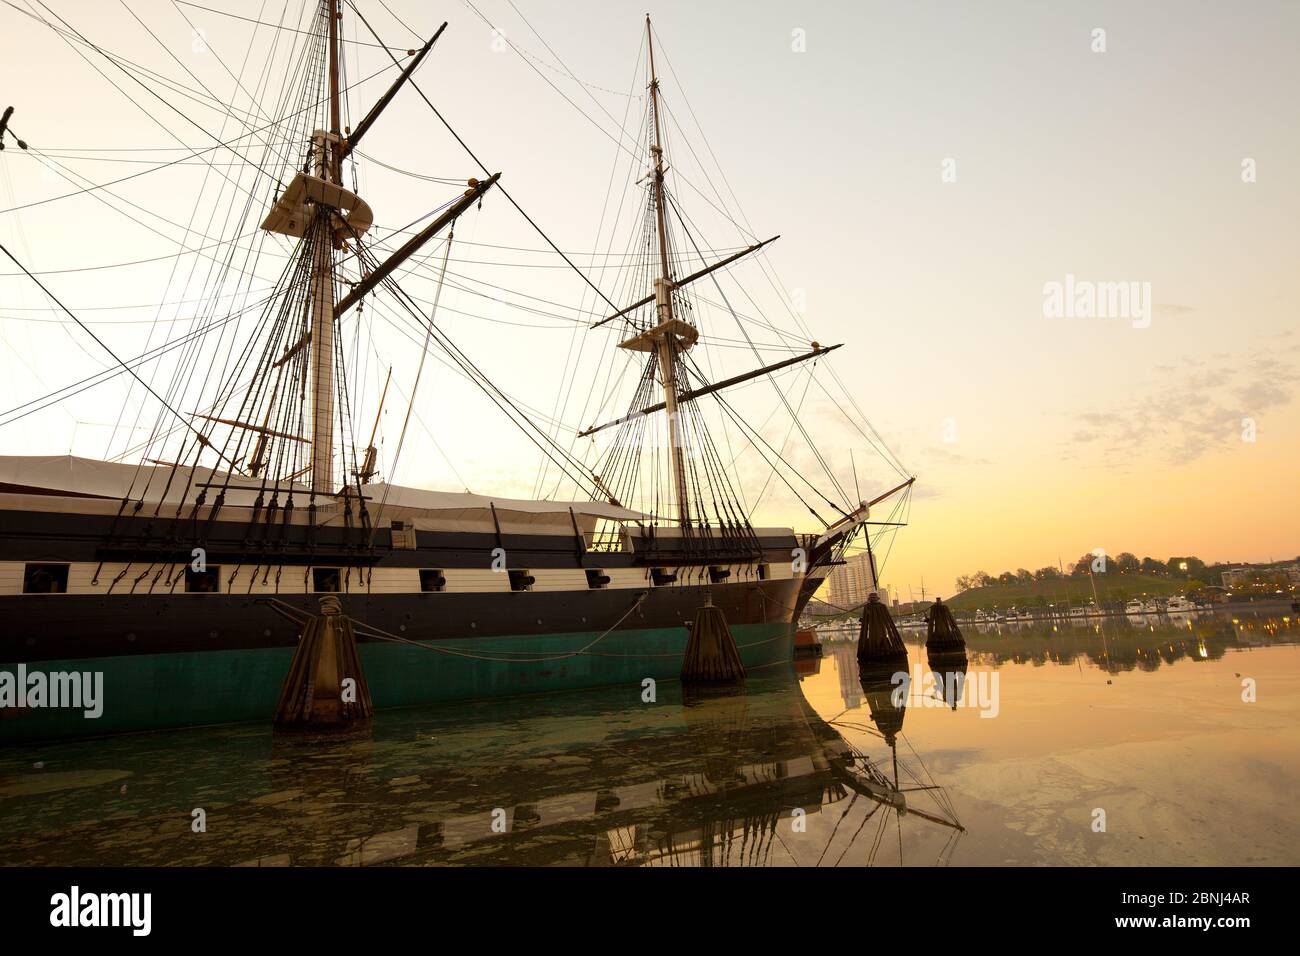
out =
column 369, row 630
column 419, row 371
column 201, row 437
column 502, row 189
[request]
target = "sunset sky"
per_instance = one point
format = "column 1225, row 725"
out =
column 1032, row 438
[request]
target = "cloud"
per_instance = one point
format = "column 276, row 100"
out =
column 943, row 455
column 1188, row 410
column 925, row 491
column 1262, row 394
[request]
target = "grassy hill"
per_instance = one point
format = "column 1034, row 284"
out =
column 1110, row 587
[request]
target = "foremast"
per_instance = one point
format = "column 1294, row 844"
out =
column 307, row 209
column 319, row 210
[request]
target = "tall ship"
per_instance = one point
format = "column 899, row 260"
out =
column 181, row 569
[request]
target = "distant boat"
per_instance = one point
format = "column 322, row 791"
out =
column 1179, row 605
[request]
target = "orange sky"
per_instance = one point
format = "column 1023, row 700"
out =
column 1032, row 437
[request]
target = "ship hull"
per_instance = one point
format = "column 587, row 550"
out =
column 186, row 660
column 462, row 606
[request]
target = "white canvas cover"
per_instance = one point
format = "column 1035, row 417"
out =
column 89, row 477
column 69, row 477
column 463, row 511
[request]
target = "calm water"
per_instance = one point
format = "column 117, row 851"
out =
column 1144, row 721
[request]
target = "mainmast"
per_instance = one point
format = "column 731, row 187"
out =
column 328, row 167
column 705, row 497
column 665, row 334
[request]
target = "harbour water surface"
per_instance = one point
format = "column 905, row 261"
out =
column 1123, row 742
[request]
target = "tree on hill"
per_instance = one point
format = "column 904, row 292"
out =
column 1152, row 566
column 1047, row 574
column 1188, row 566
column 1024, row 576
column 1126, row 562
column 1083, row 566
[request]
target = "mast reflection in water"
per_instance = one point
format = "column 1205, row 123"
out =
column 741, row 778
column 824, row 765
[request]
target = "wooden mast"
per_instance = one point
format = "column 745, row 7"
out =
column 336, row 155
column 328, row 167
column 666, row 340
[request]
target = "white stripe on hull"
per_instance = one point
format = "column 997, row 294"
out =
column 297, row 579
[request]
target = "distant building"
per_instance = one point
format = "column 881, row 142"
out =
column 1261, row 574
column 852, row 582
column 820, row 608
column 1238, row 576
column 1213, row 594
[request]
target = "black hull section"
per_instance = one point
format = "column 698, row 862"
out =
column 45, row 627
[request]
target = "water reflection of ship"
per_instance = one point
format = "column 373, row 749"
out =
column 708, row 778
column 889, row 788
column 597, row 778
column 846, row 670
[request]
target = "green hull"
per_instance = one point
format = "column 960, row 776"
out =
column 154, row 691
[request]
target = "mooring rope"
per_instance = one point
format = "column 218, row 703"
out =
column 368, row 630
column 767, row 640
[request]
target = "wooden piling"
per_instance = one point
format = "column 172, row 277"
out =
column 941, row 630
column 879, row 642
column 711, row 653
column 325, row 688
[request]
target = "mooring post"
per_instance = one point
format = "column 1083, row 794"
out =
column 711, row 653
column 879, row 642
column 942, row 632
column 325, row 688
